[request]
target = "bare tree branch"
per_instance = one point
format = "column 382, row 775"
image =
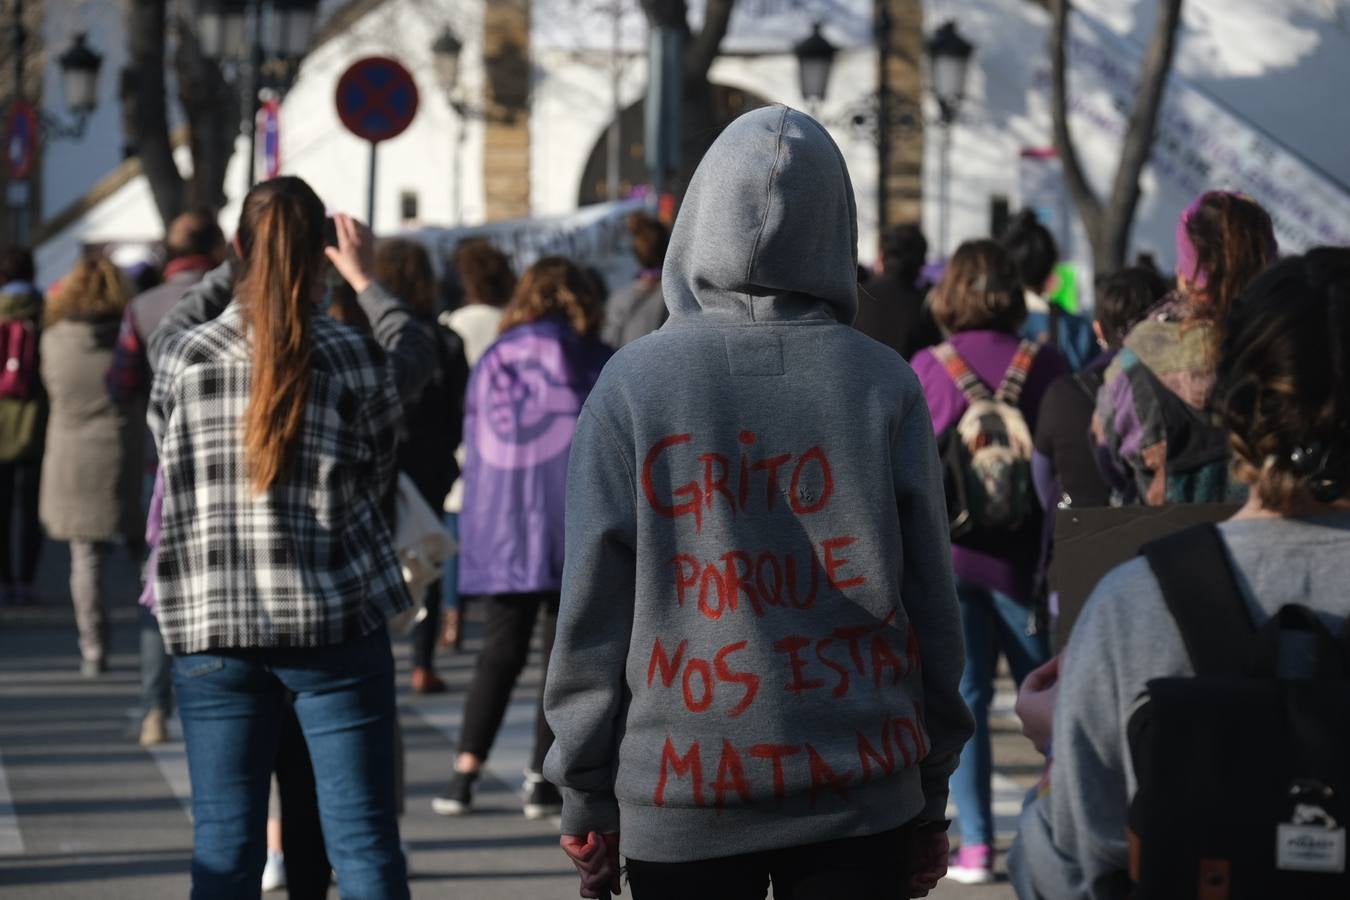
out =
column 1124, row 199
column 145, row 115
column 1108, row 223
column 1084, row 198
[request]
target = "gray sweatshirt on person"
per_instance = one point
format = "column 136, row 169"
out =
column 759, row 644
column 1071, row 840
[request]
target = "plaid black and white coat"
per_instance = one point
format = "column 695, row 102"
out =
column 309, row 562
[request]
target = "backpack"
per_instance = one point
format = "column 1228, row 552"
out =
column 986, row 455
column 18, row 359
column 1244, row 769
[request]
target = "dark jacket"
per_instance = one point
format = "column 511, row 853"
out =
column 893, row 312
column 435, row 421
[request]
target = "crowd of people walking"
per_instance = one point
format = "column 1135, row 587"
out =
column 773, row 529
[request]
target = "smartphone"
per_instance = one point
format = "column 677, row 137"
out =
column 330, row 238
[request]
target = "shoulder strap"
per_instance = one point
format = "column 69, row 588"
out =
column 1010, row 391
column 966, row 380
column 1201, row 593
column 1055, row 315
column 1090, row 382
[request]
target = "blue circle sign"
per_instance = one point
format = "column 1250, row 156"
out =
column 21, row 139
column 376, row 98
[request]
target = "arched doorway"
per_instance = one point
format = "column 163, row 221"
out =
column 727, row 102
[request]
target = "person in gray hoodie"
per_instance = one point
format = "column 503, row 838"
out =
column 758, row 648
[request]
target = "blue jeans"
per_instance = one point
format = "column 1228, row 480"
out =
column 232, row 704
column 156, row 683
column 450, row 598
column 992, row 622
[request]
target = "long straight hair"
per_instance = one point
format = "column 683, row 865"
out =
column 281, row 242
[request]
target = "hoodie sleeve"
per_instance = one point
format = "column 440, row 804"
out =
column 1072, row 840
column 928, row 594
column 408, row 343
column 586, row 697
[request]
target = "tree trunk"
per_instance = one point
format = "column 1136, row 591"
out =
column 212, row 109
column 145, row 115
column 698, row 116
column 1108, row 222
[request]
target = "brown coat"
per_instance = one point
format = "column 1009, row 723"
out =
column 92, row 468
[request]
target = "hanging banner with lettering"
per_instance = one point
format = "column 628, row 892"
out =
column 756, row 26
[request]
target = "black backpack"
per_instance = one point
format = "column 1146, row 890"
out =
column 1243, row 770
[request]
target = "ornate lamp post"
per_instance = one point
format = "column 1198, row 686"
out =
column 266, row 58
column 948, row 65
column 815, row 59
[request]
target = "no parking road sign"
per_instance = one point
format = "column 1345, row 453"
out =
column 376, row 100
column 21, row 139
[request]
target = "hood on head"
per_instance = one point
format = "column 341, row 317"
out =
column 768, row 230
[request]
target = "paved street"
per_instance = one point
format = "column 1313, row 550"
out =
column 86, row 813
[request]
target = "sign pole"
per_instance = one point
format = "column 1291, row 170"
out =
column 370, row 188
column 376, row 100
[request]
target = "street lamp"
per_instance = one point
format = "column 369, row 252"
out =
column 815, row 58
column 948, row 63
column 269, row 58
column 292, row 27
column 445, row 51
column 220, row 28
column 79, row 82
column 79, row 77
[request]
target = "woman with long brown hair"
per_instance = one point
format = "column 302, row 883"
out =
column 90, row 488
column 435, row 424
column 981, row 304
column 278, row 430
column 524, row 397
column 1157, row 440
column 487, row 282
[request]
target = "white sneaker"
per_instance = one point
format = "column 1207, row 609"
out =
column 274, row 873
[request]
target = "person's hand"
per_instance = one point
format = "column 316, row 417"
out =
column 354, row 256
column 596, row 857
column 1036, row 704
column 932, row 849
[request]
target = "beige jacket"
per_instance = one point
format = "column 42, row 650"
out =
column 92, row 470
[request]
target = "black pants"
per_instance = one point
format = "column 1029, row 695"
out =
column 20, row 532
column 428, row 631
column 508, row 629
column 877, row 867
column 307, row 868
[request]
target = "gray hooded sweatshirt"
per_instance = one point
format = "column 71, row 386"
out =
column 759, row 644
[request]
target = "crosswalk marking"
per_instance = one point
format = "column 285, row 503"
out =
column 515, row 741
column 11, row 838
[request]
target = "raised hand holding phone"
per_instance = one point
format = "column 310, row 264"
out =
column 354, row 255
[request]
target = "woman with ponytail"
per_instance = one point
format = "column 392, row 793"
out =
column 277, row 430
